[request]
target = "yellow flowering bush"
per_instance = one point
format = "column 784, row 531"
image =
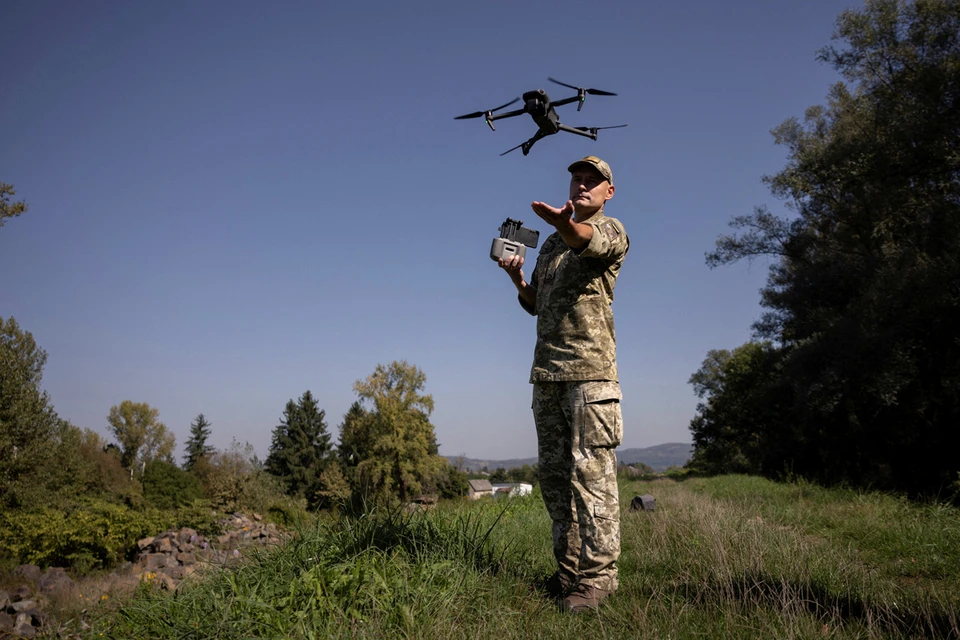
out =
column 93, row 535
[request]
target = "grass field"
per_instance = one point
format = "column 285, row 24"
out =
column 727, row 557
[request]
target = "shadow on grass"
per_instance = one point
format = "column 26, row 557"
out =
column 764, row 590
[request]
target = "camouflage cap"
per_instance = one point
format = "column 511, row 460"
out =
column 597, row 164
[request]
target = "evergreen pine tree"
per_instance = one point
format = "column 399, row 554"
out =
column 197, row 446
column 300, row 447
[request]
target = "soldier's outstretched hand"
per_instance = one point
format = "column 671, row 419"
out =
column 552, row 215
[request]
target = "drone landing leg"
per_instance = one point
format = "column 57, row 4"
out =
column 525, row 146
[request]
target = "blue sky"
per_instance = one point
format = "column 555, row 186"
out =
column 234, row 202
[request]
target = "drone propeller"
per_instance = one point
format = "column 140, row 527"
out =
column 581, row 92
column 488, row 115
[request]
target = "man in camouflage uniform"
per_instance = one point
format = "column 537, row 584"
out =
column 576, row 393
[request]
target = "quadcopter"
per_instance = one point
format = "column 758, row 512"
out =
column 537, row 103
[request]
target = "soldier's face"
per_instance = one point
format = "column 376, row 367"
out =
column 589, row 190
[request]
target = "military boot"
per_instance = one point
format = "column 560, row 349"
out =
column 558, row 584
column 584, row 598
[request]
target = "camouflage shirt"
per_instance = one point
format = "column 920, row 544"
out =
column 575, row 334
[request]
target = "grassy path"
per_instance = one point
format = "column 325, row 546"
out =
column 730, row 557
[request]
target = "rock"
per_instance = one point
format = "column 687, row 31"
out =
column 29, row 571
column 154, row 561
column 23, row 627
column 172, row 555
column 645, row 502
column 20, row 593
column 144, row 543
column 175, row 572
column 54, row 580
column 23, row 606
column 6, row 623
column 4, row 599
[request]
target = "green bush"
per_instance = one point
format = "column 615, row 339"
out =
column 93, row 535
column 165, row 486
column 452, row 483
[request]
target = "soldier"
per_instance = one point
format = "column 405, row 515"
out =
column 576, row 391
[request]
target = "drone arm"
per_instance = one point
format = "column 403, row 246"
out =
column 508, row 114
column 580, row 132
column 560, row 103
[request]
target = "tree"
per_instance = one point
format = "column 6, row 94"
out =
column 9, row 209
column 387, row 437
column 142, row 437
column 300, row 447
column 332, row 488
column 452, row 482
column 499, row 475
column 525, row 473
column 738, row 426
column 196, row 446
column 356, row 441
column 28, row 422
column 234, row 480
column 863, row 296
column 165, row 486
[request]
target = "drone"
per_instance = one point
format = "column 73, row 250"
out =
column 537, row 103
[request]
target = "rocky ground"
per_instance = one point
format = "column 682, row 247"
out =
column 39, row 601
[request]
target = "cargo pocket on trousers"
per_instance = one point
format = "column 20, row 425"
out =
column 602, row 419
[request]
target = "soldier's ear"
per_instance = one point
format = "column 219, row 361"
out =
column 610, row 190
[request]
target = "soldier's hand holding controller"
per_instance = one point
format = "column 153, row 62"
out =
column 512, row 266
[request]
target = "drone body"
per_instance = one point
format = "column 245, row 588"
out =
column 537, row 104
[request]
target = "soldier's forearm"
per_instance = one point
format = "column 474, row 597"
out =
column 527, row 293
column 577, row 235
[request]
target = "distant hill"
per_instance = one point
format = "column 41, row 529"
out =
column 660, row 457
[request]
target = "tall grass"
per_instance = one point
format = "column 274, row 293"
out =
column 733, row 557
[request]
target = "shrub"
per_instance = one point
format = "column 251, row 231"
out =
column 452, row 483
column 233, row 481
column 95, row 535
column 165, row 486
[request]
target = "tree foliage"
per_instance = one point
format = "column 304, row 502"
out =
column 82, row 467
column 387, row 442
column 166, row 486
column 28, row 423
column 452, row 483
column 196, row 446
column 300, row 448
column 737, row 428
column 141, row 436
column 863, row 295
column 9, row 208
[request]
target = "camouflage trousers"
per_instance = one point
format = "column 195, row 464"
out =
column 579, row 425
